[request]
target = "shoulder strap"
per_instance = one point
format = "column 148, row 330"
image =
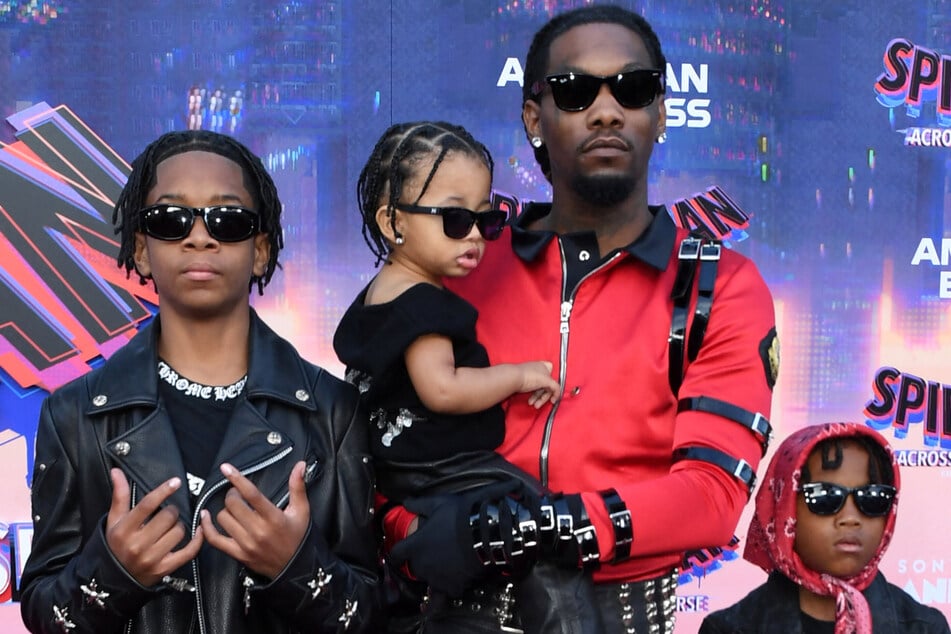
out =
column 695, row 252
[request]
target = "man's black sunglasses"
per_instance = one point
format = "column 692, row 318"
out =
column 826, row 498
column 574, row 92
column 457, row 222
column 225, row 223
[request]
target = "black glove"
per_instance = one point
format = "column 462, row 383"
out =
column 442, row 551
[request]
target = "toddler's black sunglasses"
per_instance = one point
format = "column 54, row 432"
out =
column 457, row 222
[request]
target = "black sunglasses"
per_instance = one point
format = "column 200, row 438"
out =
column 574, row 92
column 225, row 223
column 826, row 498
column 457, row 221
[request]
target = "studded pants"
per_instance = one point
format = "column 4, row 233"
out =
column 645, row 607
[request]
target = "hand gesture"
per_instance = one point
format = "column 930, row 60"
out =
column 536, row 378
column 143, row 540
column 257, row 533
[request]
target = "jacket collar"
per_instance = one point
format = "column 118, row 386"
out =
column 147, row 450
column 275, row 371
column 783, row 602
column 653, row 247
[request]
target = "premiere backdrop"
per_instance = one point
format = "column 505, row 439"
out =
column 827, row 125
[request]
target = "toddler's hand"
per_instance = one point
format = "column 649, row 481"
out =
column 536, row 378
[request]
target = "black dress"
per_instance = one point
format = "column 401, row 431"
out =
column 418, row 451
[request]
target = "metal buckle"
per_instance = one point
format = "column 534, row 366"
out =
column 588, row 544
column 548, row 515
column 566, row 526
column 710, row 251
column 689, row 249
column 529, row 532
column 622, row 520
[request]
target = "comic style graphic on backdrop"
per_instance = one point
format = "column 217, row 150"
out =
column 815, row 139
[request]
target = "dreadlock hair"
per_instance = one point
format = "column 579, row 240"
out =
column 536, row 62
column 396, row 160
column 830, row 453
column 125, row 216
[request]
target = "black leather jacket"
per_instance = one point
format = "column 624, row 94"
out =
column 112, row 417
column 774, row 608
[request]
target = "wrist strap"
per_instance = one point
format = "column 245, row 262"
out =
column 565, row 531
column 621, row 523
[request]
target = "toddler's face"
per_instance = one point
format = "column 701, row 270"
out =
column 843, row 543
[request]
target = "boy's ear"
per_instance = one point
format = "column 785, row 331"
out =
column 262, row 253
column 140, row 256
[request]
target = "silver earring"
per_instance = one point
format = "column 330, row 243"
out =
column 662, row 138
column 400, row 240
column 537, row 142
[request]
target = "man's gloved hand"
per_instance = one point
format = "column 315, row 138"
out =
column 442, row 550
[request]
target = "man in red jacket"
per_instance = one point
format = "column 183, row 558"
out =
column 665, row 347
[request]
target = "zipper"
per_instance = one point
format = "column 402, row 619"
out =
column 201, row 502
column 128, row 624
column 564, row 330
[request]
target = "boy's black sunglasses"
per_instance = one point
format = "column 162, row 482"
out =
column 457, row 222
column 574, row 92
column 826, row 498
column 225, row 223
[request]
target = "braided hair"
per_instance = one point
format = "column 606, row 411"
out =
column 125, row 216
column 536, row 62
column 395, row 161
column 830, row 454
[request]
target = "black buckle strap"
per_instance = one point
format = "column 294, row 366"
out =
column 565, row 530
column 680, row 294
column 736, row 467
column 709, row 257
column 587, row 537
column 488, row 551
column 514, row 552
column 621, row 523
column 754, row 421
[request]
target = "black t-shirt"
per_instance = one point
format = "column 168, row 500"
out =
column 812, row 625
column 371, row 342
column 199, row 415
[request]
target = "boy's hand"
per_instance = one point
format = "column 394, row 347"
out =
column 258, row 534
column 143, row 540
column 536, row 378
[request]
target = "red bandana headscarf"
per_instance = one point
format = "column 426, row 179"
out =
column 772, row 533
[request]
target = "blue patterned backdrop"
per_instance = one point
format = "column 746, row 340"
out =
column 828, row 124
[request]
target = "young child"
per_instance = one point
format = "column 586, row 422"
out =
column 823, row 519
column 272, row 532
column 410, row 344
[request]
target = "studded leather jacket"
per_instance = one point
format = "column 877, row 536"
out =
column 113, row 417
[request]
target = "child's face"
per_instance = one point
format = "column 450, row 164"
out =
column 199, row 275
column 843, row 543
column 460, row 181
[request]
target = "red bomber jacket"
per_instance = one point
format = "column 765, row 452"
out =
column 617, row 424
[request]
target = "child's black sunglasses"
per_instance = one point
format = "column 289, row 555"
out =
column 457, row 222
column 826, row 498
column 225, row 223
